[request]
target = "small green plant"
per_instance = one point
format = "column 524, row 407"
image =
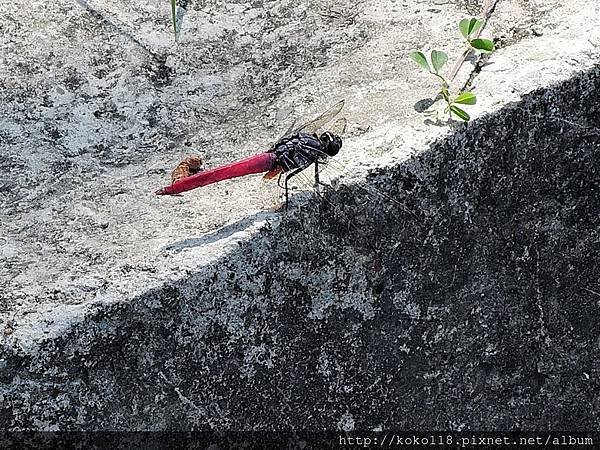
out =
column 174, row 17
column 470, row 29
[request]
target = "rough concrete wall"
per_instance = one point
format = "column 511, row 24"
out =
column 469, row 301
column 99, row 104
column 95, row 111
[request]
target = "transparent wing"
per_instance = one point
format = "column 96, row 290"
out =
column 331, row 170
column 330, row 173
column 289, row 131
column 339, row 126
column 304, row 183
column 313, row 125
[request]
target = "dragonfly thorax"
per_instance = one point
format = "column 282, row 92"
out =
column 300, row 150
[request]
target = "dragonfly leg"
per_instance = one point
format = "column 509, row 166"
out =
column 281, row 175
column 286, row 178
column 318, row 181
column 308, row 153
column 284, row 187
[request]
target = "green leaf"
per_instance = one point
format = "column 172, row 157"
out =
column 466, row 98
column 469, row 26
column 460, row 113
column 483, row 45
column 438, row 59
column 174, row 16
column 463, row 26
column 476, row 26
column 421, row 60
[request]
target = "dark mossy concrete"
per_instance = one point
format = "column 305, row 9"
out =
column 469, row 302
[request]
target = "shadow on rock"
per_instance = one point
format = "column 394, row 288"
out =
column 479, row 314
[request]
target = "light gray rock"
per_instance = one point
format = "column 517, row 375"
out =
column 466, row 302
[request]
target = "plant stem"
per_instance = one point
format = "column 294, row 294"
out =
column 486, row 11
column 174, row 14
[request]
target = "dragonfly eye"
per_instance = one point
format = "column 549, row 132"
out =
column 331, row 143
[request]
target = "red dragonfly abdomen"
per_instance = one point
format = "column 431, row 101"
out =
column 263, row 162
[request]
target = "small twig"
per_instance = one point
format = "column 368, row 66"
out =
column 486, row 11
column 594, row 130
column 174, row 14
column 593, row 292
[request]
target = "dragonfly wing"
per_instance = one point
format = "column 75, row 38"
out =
column 339, row 126
column 313, row 125
column 318, row 122
column 272, row 173
column 290, row 130
column 331, row 170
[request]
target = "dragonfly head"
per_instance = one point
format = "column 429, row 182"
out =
column 331, row 143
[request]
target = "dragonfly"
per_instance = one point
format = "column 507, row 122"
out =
column 299, row 148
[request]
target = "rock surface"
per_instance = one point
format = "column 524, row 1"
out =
column 463, row 294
